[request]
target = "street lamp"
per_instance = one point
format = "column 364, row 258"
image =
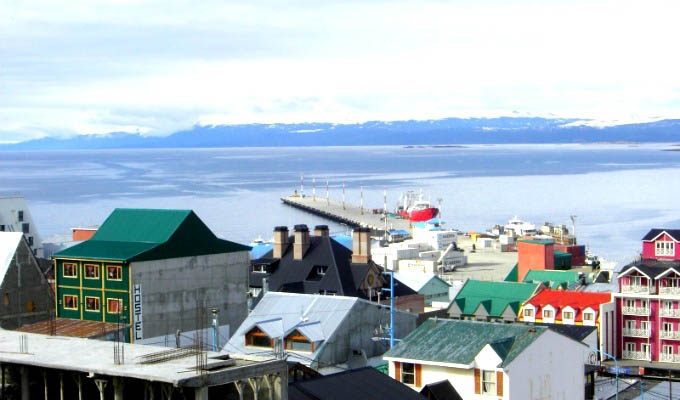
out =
column 616, row 365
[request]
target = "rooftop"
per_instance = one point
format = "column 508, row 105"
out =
column 576, row 300
column 96, row 356
column 494, row 296
column 150, row 234
column 459, row 341
column 553, row 278
column 654, row 233
column 72, row 328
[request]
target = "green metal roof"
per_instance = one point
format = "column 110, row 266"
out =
column 148, row 234
column 495, row 297
column 459, row 341
column 558, row 253
column 552, row 278
column 512, row 275
column 537, row 241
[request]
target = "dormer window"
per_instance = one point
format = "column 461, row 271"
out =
column 321, row 269
column 672, row 282
column 256, row 338
column 567, row 315
column 316, row 273
column 529, row 312
column 298, row 342
column 664, row 248
column 587, row 317
column 260, row 268
column 547, row 313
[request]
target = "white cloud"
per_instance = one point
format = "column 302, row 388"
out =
column 156, row 67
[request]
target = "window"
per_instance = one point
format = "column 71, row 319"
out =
column 30, row 240
column 321, row 269
column 644, row 325
column 2, row 228
column 91, row 303
column 261, row 268
column 643, row 303
column 630, row 303
column 70, row 270
column 529, row 312
column 70, row 302
column 25, row 228
column 667, row 305
column 644, row 347
column 91, row 271
column 630, row 346
column 567, row 315
column 5, row 299
column 668, row 350
column 408, row 374
column 114, row 273
column 667, row 327
column 664, row 248
column 114, row 306
column 297, row 342
column 630, row 324
column 587, row 316
column 671, row 282
column 547, row 313
column 636, row 280
column 258, row 338
column 489, row 382
column 20, row 215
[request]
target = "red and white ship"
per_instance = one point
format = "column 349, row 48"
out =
column 412, row 207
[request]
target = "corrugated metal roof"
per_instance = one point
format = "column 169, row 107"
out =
column 459, row 341
column 9, row 242
column 416, row 280
column 553, row 278
column 144, row 234
column 315, row 316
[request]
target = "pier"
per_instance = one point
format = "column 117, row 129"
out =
column 345, row 213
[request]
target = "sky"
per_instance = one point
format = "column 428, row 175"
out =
column 156, row 67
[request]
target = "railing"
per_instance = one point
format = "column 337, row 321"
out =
column 663, row 357
column 636, row 332
column 674, row 312
column 669, row 290
column 637, row 289
column 669, row 335
column 635, row 311
column 636, row 355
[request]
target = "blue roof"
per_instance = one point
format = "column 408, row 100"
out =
column 398, row 232
column 260, row 250
column 345, row 240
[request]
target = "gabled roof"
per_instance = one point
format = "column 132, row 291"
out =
column 150, row 234
column 650, row 268
column 579, row 301
column 576, row 332
column 361, row 383
column 496, row 296
column 553, row 279
column 459, row 341
column 9, row 242
column 278, row 314
column 342, row 277
column 417, row 280
column 655, row 233
column 442, row 390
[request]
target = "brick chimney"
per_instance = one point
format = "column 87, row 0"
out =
column 361, row 246
column 321, row 230
column 301, row 243
column 280, row 241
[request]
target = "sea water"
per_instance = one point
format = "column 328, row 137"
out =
column 617, row 191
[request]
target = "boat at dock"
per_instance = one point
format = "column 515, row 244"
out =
column 413, row 207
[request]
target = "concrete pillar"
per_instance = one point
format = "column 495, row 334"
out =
column 44, row 374
column 166, row 391
column 79, row 382
column 280, row 387
column 255, row 385
column 61, row 386
column 118, row 387
column 201, row 393
column 148, row 391
column 101, row 385
column 25, row 389
column 239, row 389
column 267, row 381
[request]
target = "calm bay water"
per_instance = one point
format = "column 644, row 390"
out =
column 618, row 192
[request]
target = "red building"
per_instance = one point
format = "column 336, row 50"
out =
column 648, row 304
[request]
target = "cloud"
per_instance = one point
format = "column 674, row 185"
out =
column 72, row 67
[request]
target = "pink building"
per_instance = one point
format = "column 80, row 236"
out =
column 648, row 304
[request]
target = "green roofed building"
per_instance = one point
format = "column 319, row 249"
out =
column 154, row 270
column 491, row 360
column 491, row 301
column 554, row 279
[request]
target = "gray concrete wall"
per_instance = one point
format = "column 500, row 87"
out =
column 356, row 332
column 173, row 290
column 24, row 283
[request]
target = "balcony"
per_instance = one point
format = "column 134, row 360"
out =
column 670, row 335
column 673, row 313
column 635, row 311
column 643, row 333
column 637, row 289
column 669, row 290
column 673, row 358
column 636, row 355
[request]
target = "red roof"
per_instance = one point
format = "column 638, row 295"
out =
column 559, row 299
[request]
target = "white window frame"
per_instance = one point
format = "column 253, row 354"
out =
column 260, row 268
column 667, row 349
column 644, row 325
column 551, row 311
column 645, row 348
column 636, row 280
column 631, row 346
column 630, row 303
column 667, row 305
column 492, row 382
column 664, row 248
column 568, row 315
column 630, row 324
column 667, row 327
column 588, row 316
column 644, row 304
column 529, row 312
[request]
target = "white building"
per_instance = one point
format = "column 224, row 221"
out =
column 485, row 360
column 15, row 217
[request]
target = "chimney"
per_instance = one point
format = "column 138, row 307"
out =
column 301, row 243
column 361, row 246
column 280, row 241
column 321, row 230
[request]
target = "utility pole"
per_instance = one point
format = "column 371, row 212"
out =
column 343, row 195
column 215, row 326
column 314, row 189
column 328, row 201
column 362, row 200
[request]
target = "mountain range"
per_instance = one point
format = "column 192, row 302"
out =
column 449, row 131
